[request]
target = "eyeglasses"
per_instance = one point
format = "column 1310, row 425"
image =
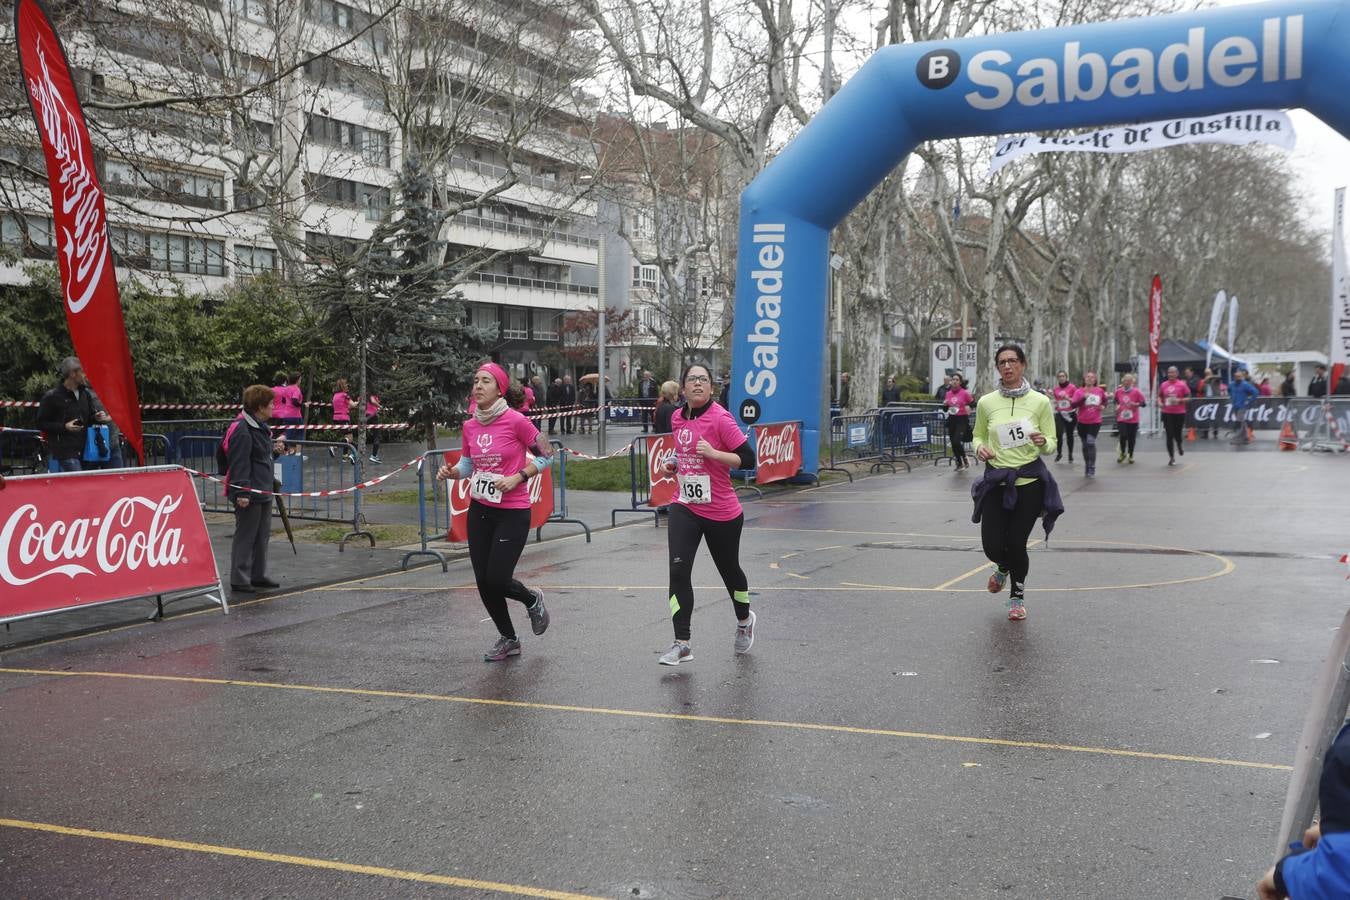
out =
column 698, row 379
column 1008, row 362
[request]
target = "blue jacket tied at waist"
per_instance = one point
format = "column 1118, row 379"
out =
column 1052, row 506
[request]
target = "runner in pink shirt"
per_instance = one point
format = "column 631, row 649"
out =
column 1172, row 395
column 708, row 444
column 497, row 441
column 1061, row 398
column 957, row 404
column 373, row 408
column 1129, row 401
column 1088, row 402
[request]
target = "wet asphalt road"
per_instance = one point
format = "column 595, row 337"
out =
column 891, row 734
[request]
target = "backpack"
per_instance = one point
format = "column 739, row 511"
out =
column 222, row 450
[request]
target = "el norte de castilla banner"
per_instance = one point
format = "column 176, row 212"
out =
column 1262, row 126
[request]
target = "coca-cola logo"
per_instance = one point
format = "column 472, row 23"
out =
column 776, row 445
column 660, row 453
column 133, row 534
column 79, row 208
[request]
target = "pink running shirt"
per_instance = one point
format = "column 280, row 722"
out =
column 958, row 402
column 1090, row 401
column 372, row 406
column 705, row 484
column 499, row 449
column 342, row 407
column 1062, row 398
column 1128, row 404
column 1172, row 395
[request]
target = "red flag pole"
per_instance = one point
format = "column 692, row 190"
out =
column 1154, row 337
column 80, row 220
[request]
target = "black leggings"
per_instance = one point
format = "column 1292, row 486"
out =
column 724, row 543
column 1088, row 434
column 496, row 538
column 1173, row 423
column 1063, row 435
column 957, row 428
column 1128, row 432
column 1004, row 532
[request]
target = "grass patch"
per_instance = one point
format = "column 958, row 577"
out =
column 385, row 535
column 599, row 474
column 406, row 496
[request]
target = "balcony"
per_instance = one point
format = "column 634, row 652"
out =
column 511, row 290
column 531, row 231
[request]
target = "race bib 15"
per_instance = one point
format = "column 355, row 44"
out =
column 1014, row 434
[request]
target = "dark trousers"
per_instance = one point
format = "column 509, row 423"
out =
column 496, row 538
column 248, row 549
column 1173, row 423
column 1128, row 432
column 1063, row 436
column 684, row 532
column 1088, row 434
column 957, row 426
column 1004, row 532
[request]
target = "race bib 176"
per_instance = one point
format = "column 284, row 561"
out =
column 483, row 487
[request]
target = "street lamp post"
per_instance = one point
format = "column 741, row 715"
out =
column 600, row 307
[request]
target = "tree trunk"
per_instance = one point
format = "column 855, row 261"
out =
column 862, row 332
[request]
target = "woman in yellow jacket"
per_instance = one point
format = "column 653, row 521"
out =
column 1014, row 430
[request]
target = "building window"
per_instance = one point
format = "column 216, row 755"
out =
column 645, row 277
column 483, row 317
column 545, row 325
column 516, row 323
column 254, row 260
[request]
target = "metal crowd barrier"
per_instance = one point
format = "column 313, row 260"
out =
column 22, row 452
column 640, row 485
column 859, row 439
column 913, row 431
column 433, row 503
column 316, row 466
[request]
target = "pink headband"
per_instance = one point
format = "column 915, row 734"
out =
column 498, row 375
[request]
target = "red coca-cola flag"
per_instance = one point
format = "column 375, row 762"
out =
column 664, row 488
column 778, row 451
column 78, row 540
column 541, row 500
column 80, row 220
column 1154, row 331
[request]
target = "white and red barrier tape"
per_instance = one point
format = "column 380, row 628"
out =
column 332, row 493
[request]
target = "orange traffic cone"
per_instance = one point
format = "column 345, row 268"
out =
column 1288, row 440
column 1190, row 434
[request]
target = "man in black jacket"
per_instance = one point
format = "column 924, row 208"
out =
column 63, row 415
column 569, row 400
column 249, row 448
column 554, row 400
column 647, row 391
column 1318, row 386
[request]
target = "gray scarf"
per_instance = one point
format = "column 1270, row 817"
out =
column 487, row 416
column 1020, row 391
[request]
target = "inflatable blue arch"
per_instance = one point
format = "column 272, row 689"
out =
column 1264, row 56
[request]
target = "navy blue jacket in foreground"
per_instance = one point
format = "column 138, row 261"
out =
column 1323, row 873
column 1052, row 506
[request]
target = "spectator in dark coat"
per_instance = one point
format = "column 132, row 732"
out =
column 248, row 449
column 1318, row 386
column 63, row 415
column 665, row 407
column 890, row 393
column 569, row 400
column 554, row 400
column 1288, row 388
column 648, row 390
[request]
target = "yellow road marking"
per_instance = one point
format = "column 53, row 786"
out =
column 288, row 859
column 647, row 714
column 960, row 578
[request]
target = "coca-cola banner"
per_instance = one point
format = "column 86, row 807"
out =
column 1266, row 414
column 84, row 538
column 664, row 488
column 83, row 251
column 541, row 500
column 778, row 451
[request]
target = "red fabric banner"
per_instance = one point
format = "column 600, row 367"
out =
column 778, row 451
column 76, row 540
column 83, row 251
column 664, row 488
column 541, row 500
column 1154, row 331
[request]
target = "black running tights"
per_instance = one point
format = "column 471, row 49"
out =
column 1004, row 532
column 957, row 426
column 1128, row 431
column 496, row 538
column 1063, row 435
column 1173, row 423
column 724, row 543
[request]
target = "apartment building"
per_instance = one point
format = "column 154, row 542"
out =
column 302, row 114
